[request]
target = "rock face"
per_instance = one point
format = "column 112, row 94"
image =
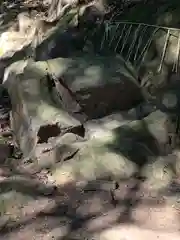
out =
column 89, row 86
column 100, row 84
column 32, row 109
column 118, row 148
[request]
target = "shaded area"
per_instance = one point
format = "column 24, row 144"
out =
column 45, row 132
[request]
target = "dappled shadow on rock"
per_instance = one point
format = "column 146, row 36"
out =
column 34, row 207
column 138, row 143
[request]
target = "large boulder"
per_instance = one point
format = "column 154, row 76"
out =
column 120, row 149
column 101, row 84
column 85, row 87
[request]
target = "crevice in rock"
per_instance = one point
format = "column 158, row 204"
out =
column 48, row 131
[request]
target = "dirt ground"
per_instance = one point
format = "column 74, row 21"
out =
column 35, row 207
